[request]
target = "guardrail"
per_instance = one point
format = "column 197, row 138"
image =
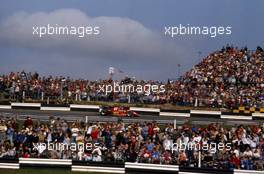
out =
column 38, row 162
column 141, row 111
column 9, row 166
column 247, row 172
column 9, row 163
column 105, row 167
column 128, row 168
column 133, row 168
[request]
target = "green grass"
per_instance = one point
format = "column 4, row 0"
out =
column 41, row 171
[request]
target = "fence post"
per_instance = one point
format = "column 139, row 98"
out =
column 129, row 98
column 42, row 96
column 200, row 159
column 196, row 102
column 23, row 95
column 88, row 98
column 86, row 122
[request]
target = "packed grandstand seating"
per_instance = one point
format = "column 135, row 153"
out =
column 135, row 142
column 226, row 78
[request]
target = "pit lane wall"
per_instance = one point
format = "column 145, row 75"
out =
column 100, row 167
column 142, row 111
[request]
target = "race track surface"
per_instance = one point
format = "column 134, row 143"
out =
column 94, row 116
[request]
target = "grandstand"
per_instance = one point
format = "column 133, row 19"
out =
column 227, row 80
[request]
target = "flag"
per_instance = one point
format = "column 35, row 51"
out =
column 111, row 70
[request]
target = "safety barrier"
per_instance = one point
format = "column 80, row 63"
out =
column 104, row 167
column 248, row 110
column 141, row 111
column 38, row 162
column 100, row 167
column 9, row 163
column 248, row 172
column 97, row 169
column 134, row 168
column 9, row 166
column 75, row 107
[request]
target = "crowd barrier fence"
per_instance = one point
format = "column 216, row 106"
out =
column 101, row 167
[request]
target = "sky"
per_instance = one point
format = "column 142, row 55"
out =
column 131, row 35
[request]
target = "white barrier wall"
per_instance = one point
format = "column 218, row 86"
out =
column 127, row 168
column 247, row 172
column 149, row 111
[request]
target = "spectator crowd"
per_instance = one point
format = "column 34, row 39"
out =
column 227, row 78
column 145, row 142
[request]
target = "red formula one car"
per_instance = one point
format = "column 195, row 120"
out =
column 120, row 111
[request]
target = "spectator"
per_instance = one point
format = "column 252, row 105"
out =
column 119, row 142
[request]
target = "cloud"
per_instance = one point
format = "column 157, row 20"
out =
column 121, row 41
